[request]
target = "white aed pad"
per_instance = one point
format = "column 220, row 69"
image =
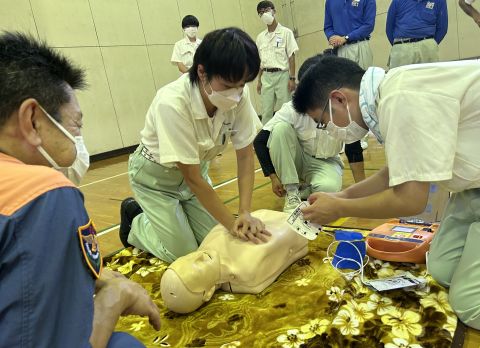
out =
column 403, row 281
column 304, row 228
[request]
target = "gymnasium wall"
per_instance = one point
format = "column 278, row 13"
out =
column 126, row 45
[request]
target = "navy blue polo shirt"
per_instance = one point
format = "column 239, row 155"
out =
column 417, row 19
column 355, row 18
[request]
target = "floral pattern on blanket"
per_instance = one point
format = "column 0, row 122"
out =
column 310, row 305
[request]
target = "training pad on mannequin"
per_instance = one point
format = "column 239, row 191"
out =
column 249, row 267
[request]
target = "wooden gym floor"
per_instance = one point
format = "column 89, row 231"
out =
column 106, row 185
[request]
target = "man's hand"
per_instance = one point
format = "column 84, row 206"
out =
column 105, row 277
column 277, row 186
column 313, row 197
column 336, row 40
column 292, row 85
column 117, row 296
column 259, row 87
column 138, row 301
column 324, row 208
column 250, row 228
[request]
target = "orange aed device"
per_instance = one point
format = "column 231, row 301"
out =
column 401, row 240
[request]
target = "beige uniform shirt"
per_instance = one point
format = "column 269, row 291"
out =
column 429, row 116
column 183, row 52
column 315, row 142
column 178, row 128
column 276, row 47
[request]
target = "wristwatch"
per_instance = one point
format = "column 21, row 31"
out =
column 346, row 38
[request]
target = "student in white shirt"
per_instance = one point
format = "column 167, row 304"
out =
column 428, row 117
column 277, row 47
column 190, row 121
column 290, row 149
column 184, row 50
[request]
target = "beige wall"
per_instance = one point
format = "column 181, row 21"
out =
column 125, row 45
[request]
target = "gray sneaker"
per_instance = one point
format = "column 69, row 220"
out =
column 292, row 200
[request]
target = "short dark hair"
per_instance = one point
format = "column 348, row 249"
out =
column 31, row 69
column 190, row 21
column 329, row 73
column 228, row 53
column 307, row 64
column 265, row 4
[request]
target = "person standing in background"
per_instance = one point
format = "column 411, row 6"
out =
column 184, row 50
column 277, row 47
column 348, row 26
column 414, row 29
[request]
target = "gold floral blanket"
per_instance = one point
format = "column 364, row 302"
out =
column 310, row 305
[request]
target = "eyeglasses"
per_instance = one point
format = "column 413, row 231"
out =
column 320, row 125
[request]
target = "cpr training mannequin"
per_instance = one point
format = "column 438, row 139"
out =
column 226, row 262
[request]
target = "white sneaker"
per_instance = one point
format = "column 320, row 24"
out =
column 292, row 200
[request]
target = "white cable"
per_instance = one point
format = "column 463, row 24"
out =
column 348, row 275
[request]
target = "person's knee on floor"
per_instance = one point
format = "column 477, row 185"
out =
column 440, row 270
column 178, row 249
column 467, row 308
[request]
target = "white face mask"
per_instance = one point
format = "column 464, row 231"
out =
column 349, row 134
column 267, row 18
column 225, row 100
column 191, row 32
column 79, row 167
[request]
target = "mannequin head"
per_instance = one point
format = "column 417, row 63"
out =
column 200, row 273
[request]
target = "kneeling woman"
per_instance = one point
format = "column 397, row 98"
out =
column 190, row 121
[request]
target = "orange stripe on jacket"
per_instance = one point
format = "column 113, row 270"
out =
column 21, row 183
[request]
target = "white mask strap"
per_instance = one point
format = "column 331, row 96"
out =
column 48, row 157
column 348, row 111
column 59, row 126
column 330, row 109
column 205, row 89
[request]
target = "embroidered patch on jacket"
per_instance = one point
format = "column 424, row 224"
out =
column 88, row 242
column 430, row 5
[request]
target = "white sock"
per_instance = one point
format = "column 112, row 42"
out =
column 292, row 188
